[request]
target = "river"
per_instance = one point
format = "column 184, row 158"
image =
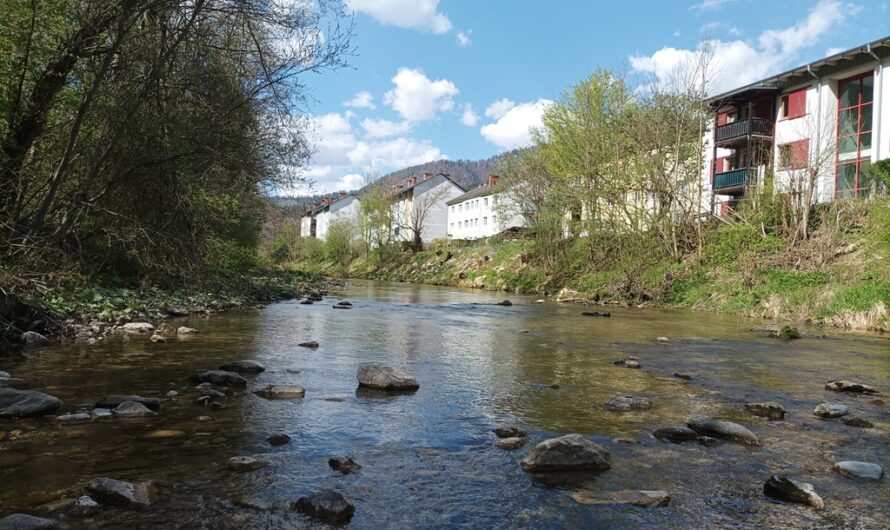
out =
column 427, row 458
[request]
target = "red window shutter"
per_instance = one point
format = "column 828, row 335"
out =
column 800, row 154
column 797, row 103
column 722, row 118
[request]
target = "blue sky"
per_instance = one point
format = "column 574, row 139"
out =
column 466, row 79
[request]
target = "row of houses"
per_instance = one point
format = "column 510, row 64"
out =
column 818, row 126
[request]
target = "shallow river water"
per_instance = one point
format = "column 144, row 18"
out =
column 427, row 457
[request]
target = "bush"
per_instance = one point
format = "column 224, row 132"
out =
column 340, row 244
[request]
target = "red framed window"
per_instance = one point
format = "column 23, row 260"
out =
column 794, row 155
column 794, row 104
column 854, row 133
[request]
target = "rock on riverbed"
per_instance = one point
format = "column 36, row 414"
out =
column 114, row 400
column 242, row 464
column 627, row 403
column 281, row 392
column 220, row 377
column 137, row 327
column 786, row 489
column 849, row 386
column 120, row 493
column 863, row 470
column 378, row 376
column 675, row 434
column 327, row 506
column 769, row 409
column 344, row 464
column 23, row 521
column 132, row 409
column 831, row 410
column 726, row 430
column 244, row 366
column 567, row 453
column 643, row 498
column 23, row 403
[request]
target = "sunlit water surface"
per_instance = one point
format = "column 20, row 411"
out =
column 427, row 457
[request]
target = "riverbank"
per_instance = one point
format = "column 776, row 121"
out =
column 83, row 308
column 840, row 277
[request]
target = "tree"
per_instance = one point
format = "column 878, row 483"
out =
column 375, row 219
column 412, row 214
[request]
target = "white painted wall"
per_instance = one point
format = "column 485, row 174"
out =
column 434, row 192
column 482, row 216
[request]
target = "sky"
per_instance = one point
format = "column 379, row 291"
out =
column 467, row 79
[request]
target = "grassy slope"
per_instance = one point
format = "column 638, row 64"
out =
column 840, row 278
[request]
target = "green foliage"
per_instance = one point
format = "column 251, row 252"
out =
column 340, row 242
column 727, row 244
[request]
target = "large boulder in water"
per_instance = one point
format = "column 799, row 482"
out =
column 243, row 366
column 220, row 377
column 726, row 430
column 32, row 339
column 381, row 377
column 22, row 403
column 23, row 521
column 112, row 401
column 786, row 489
column 120, row 493
column 571, row 452
column 327, row 506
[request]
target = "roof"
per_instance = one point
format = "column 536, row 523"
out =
column 860, row 55
column 478, row 191
column 421, row 181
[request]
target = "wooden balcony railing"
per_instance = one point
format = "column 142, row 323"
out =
column 740, row 129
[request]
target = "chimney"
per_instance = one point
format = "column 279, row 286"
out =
column 327, row 201
column 342, row 195
column 427, row 175
column 493, row 180
column 412, row 181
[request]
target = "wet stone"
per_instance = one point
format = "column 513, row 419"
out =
column 344, row 464
column 157, row 338
column 851, row 387
column 627, row 363
column 243, row 464
column 769, row 409
column 860, row 470
column 707, row 441
column 508, row 432
column 254, row 504
column 184, row 330
column 23, row 403
column 309, row 344
column 830, row 410
column 509, row 444
column 4, row 374
column 643, row 498
column 627, row 404
column 220, row 377
column 378, row 376
column 244, row 366
column 137, row 327
column 132, row 409
column 278, row 439
column 327, row 506
column 601, row 314
column 14, row 382
column 683, row 375
column 725, row 430
column 505, row 303
column 281, row 392
column 101, row 413
column 84, row 506
column 786, row 489
column 566, row 453
column 22, row 521
column 114, row 400
column 858, row 421
column 120, row 493
column 80, row 417
column 675, row 434
column 32, row 339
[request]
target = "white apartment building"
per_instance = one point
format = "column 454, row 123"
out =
column 829, row 120
column 421, row 203
column 481, row 212
column 318, row 217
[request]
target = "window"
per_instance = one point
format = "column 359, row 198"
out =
column 485, row 221
column 485, row 202
column 794, row 155
column 794, row 104
column 494, row 219
column 854, row 128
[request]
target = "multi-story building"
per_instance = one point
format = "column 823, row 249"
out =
column 419, row 207
column 318, row 217
column 814, row 129
column 481, row 212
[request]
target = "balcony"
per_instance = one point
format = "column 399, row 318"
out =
column 737, row 178
column 740, row 129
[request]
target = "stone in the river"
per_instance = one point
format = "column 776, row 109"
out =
column 281, row 392
column 627, row 363
column 726, row 430
column 831, row 410
column 23, row 521
column 789, row 490
column 602, row 314
column 306, row 302
column 80, row 417
column 120, row 493
column 863, row 470
column 627, row 403
column 707, row 441
column 33, row 339
column 566, row 453
column 137, row 327
column 849, row 386
column 683, row 375
column 172, row 393
column 220, row 377
column 100, row 413
column 643, row 498
column 247, row 463
column 341, row 305
column 858, row 421
column 786, row 333
column 509, row 444
column 662, row 339
column 675, row 434
column 22, row 403
column 508, row 432
column 109, row 402
column 4, row 374
column 157, row 338
column 253, row 504
column 505, row 303
column 769, row 409
column 84, row 506
column 14, row 382
column 327, row 506
column 309, row 344
column 132, row 409
column 376, row 375
column 278, row 439
column 184, row 330
column 243, row 366
column 344, row 464
column 345, row 302
column 177, row 311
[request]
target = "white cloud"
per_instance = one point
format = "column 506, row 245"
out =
column 463, row 39
column 416, row 14
column 513, row 128
column 362, row 100
column 710, row 5
column 499, row 108
column 418, row 98
column 384, row 128
column 469, row 116
column 833, row 51
column 738, row 62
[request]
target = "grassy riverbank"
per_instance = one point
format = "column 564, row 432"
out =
column 839, row 277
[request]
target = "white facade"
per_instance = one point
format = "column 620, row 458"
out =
column 481, row 213
column 849, row 88
column 345, row 209
column 423, row 203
